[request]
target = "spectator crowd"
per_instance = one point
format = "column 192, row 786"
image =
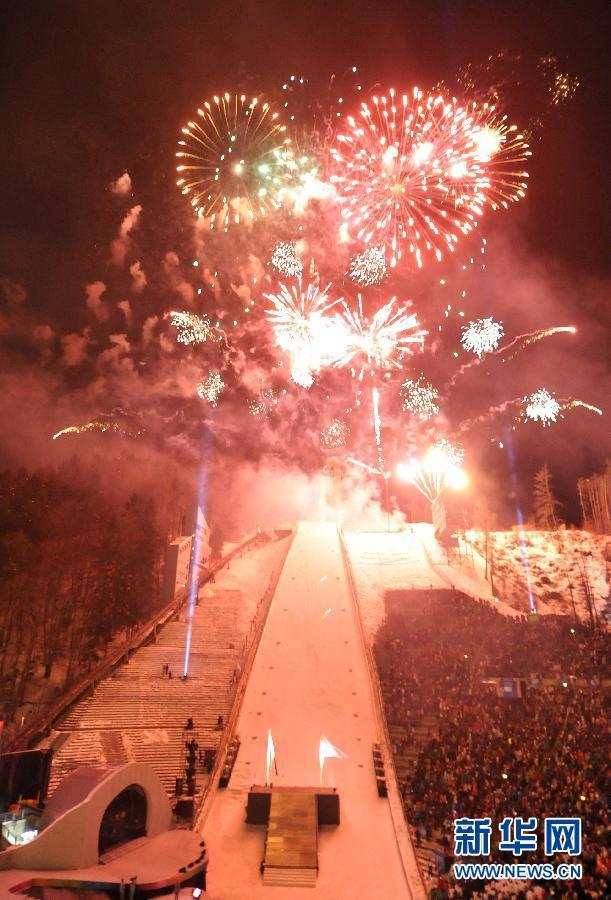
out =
column 539, row 751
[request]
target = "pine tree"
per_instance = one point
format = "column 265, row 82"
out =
column 546, row 505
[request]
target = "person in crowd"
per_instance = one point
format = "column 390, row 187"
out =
column 542, row 751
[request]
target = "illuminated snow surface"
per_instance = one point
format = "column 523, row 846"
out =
column 410, row 559
column 556, row 559
column 310, row 679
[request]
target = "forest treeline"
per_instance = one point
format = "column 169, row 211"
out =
column 79, row 564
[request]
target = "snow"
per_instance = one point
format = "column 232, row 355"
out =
column 411, row 559
column 555, row 560
column 154, row 860
column 309, row 679
column 143, row 713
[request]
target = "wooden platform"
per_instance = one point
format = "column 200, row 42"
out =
column 291, row 845
column 260, row 799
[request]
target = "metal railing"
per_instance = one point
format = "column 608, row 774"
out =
column 251, row 645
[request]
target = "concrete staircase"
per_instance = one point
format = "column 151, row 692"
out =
column 427, row 854
column 139, row 714
column 422, row 731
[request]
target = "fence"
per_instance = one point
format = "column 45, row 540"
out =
column 251, row 644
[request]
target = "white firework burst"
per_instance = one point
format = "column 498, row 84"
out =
column 541, row 406
column 210, row 388
column 420, row 398
column 302, row 328
column 482, row 336
column 286, row 259
column 266, row 401
column 383, row 339
column 191, row 328
column 335, row 434
column 369, row 267
column 452, row 453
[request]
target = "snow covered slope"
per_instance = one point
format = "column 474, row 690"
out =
column 554, row 560
column 409, row 560
column 309, row 679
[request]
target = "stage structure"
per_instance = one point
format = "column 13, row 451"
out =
column 292, row 816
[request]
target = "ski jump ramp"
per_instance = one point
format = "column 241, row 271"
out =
column 311, row 679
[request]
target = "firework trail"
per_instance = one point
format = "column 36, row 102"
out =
column 375, row 395
column 571, row 403
column 490, row 413
column 96, row 426
column 377, row 427
column 516, row 345
column 540, row 406
column 524, row 340
column 371, row 469
column 88, row 426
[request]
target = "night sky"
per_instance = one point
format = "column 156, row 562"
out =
column 90, row 90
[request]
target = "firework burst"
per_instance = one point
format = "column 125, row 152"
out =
column 210, row 388
column 303, row 377
column 369, row 267
column 191, row 329
column 415, row 171
column 439, row 468
column 235, row 161
column 286, row 259
column 453, row 453
column 508, row 351
column 420, row 398
column 382, row 340
column 541, row 406
column 482, row 336
column 335, row 435
column 266, row 401
column 303, row 329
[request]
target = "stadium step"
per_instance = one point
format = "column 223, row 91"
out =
column 139, row 714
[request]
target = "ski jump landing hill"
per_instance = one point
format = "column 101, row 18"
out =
column 311, row 678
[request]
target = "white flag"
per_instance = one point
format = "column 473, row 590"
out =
column 271, row 755
column 326, row 750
